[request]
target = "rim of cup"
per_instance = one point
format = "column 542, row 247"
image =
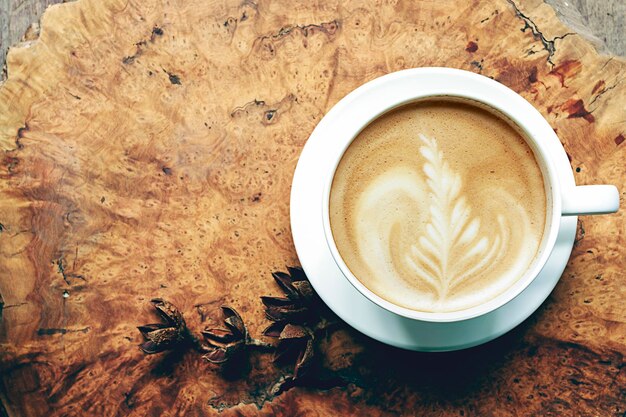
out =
column 394, row 90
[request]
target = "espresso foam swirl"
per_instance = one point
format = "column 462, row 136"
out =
column 453, row 247
column 420, row 234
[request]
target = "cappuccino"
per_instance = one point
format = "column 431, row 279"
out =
column 438, row 206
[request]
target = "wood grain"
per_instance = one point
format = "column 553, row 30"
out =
column 148, row 151
column 599, row 21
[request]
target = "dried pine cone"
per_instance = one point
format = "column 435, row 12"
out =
column 164, row 336
column 296, row 318
column 301, row 304
column 225, row 343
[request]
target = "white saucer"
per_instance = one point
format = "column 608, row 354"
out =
column 362, row 314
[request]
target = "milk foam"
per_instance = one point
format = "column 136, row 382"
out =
column 438, row 206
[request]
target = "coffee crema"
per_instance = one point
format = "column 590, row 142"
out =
column 438, row 206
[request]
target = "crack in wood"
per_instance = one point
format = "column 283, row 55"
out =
column 276, row 389
column 53, row 331
column 174, row 79
column 269, row 112
column 548, row 44
column 7, row 306
column 601, row 93
column 607, row 63
column 60, row 263
column 478, row 64
column 329, row 28
column 20, row 135
column 245, row 107
column 156, row 32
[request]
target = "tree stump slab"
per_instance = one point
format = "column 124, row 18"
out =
column 148, row 149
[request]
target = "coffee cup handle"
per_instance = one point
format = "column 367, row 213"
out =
column 590, row 199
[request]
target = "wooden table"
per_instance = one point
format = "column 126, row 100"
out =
column 599, row 21
column 148, row 150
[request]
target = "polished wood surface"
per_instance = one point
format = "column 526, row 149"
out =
column 148, row 151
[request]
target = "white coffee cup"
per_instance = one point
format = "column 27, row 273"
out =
column 393, row 90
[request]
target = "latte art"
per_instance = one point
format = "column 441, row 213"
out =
column 453, row 249
column 414, row 222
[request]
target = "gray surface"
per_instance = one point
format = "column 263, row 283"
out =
column 601, row 21
column 15, row 17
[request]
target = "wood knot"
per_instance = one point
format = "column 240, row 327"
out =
column 576, row 108
column 471, row 46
